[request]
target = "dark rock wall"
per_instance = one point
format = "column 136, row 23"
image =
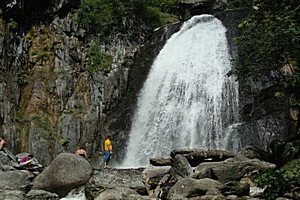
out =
column 263, row 116
column 50, row 102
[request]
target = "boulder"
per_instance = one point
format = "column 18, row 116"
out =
column 12, row 195
column 3, row 158
column 210, row 197
column 41, row 195
column 66, row 172
column 14, row 180
column 160, row 161
column 252, row 152
column 255, row 191
column 196, row 156
column 120, row 194
column 232, row 169
column 115, row 178
column 189, row 187
column 6, row 157
column 180, row 167
column 161, row 187
column 152, row 176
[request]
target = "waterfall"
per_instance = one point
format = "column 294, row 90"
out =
column 187, row 101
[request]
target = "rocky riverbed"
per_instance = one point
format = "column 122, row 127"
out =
column 188, row 174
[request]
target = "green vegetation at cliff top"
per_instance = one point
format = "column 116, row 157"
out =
column 108, row 16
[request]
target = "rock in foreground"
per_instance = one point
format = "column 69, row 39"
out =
column 66, row 172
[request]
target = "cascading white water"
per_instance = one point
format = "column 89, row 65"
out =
column 76, row 194
column 187, row 101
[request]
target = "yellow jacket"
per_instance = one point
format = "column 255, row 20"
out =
column 107, row 145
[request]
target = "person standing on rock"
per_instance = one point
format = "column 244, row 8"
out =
column 107, row 151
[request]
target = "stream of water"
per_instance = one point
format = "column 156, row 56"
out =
column 187, row 101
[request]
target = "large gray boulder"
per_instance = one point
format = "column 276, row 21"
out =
column 115, row 178
column 66, row 172
column 180, row 167
column 152, row 176
column 120, row 194
column 232, row 169
column 14, row 180
column 196, row 156
column 12, row 195
column 189, row 187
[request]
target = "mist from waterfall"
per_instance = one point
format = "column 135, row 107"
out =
column 187, row 101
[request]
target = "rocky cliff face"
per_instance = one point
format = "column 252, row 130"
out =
column 50, row 100
column 264, row 116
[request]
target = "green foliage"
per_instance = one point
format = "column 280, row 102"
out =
column 42, row 123
column 292, row 147
column 157, row 12
column 270, row 37
column 107, row 16
column 68, row 111
column 98, row 15
column 41, row 55
column 12, row 24
column 280, row 181
column 240, row 4
column 22, row 77
column 98, row 60
column 269, row 41
column 152, row 16
column 165, row 6
column 64, row 141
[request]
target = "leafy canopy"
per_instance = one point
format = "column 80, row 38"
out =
column 107, row 16
column 269, row 41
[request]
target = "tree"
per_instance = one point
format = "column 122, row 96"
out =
column 270, row 40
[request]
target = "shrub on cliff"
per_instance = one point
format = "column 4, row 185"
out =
column 107, row 16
